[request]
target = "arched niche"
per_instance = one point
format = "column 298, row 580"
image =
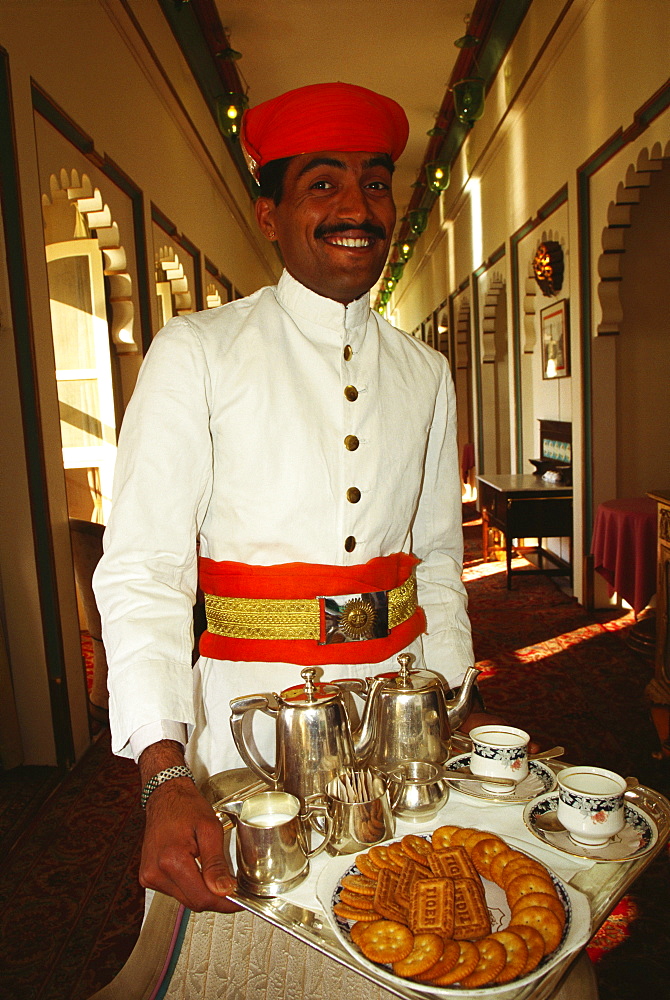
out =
column 75, row 209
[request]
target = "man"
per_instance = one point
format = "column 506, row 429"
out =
column 311, row 447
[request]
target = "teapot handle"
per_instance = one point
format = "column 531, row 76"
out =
column 240, row 707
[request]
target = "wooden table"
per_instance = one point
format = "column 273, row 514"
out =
column 526, row 506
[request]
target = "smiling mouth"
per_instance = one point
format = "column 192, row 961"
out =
column 356, row 243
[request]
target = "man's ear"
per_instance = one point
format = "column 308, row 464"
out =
column 265, row 216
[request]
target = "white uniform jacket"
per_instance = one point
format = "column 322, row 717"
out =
column 235, row 433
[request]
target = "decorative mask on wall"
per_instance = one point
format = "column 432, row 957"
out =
column 548, row 267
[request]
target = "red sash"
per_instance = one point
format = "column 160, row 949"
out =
column 294, row 581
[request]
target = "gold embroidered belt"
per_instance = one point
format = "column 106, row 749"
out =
column 326, row 620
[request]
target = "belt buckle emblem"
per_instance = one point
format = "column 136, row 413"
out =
column 354, row 618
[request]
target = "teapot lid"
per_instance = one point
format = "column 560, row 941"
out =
column 311, row 691
column 409, row 680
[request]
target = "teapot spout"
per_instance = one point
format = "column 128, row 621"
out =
column 459, row 709
column 365, row 736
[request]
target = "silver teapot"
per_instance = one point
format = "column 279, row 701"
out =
column 408, row 716
column 313, row 735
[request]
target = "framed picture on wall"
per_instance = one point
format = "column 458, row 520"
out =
column 554, row 332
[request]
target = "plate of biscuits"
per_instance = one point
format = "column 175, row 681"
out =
column 459, row 912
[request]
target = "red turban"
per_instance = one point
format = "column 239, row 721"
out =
column 323, row 116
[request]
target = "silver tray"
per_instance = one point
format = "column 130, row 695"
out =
column 603, row 884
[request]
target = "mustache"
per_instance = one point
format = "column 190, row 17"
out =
column 344, row 227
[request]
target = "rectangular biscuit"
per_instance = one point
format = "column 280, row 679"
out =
column 471, row 915
column 453, row 862
column 411, row 871
column 386, row 902
column 431, row 908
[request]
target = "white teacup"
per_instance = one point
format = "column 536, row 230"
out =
column 499, row 752
column 591, row 804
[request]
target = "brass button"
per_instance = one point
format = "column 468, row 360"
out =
column 351, row 442
column 347, row 352
column 353, row 494
column 351, row 392
column 350, row 543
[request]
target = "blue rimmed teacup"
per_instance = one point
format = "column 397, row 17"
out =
column 591, row 804
column 499, row 752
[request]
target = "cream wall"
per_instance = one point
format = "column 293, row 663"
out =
column 119, row 76
column 575, row 75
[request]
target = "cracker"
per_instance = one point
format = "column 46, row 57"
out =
column 385, row 899
column 425, row 952
column 450, row 953
column 492, row 959
column 459, row 836
column 354, row 913
column 484, row 852
column 359, row 926
column 519, row 865
column 544, row 921
column 517, row 955
column 396, row 853
column 367, row 867
column 380, row 856
column 411, row 872
column 534, row 943
column 476, row 836
column 500, row 862
column 452, row 862
column 386, row 941
column 527, row 882
column 417, row 848
column 471, row 915
column 468, row 959
column 360, row 884
column 431, row 907
column 357, row 900
column 441, row 837
column 551, row 902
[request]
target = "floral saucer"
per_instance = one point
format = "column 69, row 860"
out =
column 540, row 779
column 637, row 837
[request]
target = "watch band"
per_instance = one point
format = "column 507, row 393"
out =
column 177, row 771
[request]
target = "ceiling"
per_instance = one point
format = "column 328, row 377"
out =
column 402, row 48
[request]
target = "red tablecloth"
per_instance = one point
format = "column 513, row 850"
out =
column 624, row 548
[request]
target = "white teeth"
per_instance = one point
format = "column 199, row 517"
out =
column 342, row 241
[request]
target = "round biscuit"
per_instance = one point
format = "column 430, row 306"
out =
column 367, row 867
column 447, row 960
column 544, row 921
column 354, row 913
column 534, row 943
column 356, row 929
column 426, row 950
column 484, row 852
column 441, row 837
column 468, row 959
column 386, row 941
column 476, row 836
column 360, row 884
column 380, row 856
column 357, row 900
column 417, row 848
column 492, row 959
column 551, row 902
column 520, row 864
column 525, row 883
column 500, row 862
column 459, row 837
column 517, row 955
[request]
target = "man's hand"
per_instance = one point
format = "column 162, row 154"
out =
column 484, row 719
column 180, row 828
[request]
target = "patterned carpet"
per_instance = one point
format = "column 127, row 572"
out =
column 70, row 904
